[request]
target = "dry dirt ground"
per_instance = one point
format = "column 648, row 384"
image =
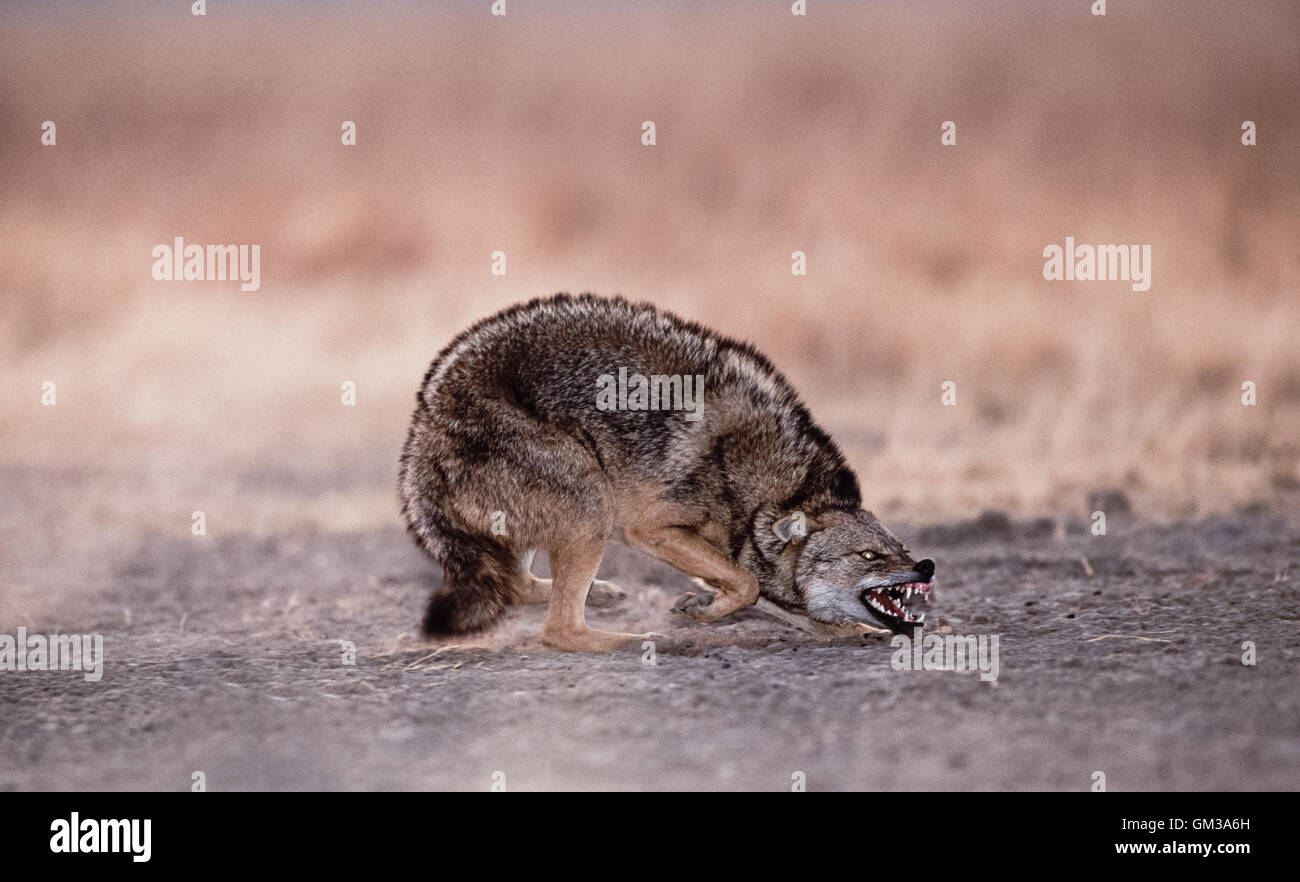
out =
column 224, row 656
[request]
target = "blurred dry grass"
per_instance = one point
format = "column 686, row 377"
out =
column 774, row 134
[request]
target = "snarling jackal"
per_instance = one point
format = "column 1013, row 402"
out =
column 565, row 421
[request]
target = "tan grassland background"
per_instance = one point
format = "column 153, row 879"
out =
column 775, row 134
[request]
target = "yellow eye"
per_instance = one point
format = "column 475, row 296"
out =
column 868, row 555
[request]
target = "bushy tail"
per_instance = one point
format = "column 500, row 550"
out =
column 481, row 573
column 479, row 580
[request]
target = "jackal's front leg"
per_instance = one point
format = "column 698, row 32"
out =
column 683, row 548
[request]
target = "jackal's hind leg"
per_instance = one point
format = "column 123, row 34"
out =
column 566, row 625
column 534, row 590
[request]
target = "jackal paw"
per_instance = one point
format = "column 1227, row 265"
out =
column 697, row 605
column 603, row 595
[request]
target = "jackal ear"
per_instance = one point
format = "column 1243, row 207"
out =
column 795, row 525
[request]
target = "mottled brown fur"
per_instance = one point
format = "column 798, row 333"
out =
column 508, row 452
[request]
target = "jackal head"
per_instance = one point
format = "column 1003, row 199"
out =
column 849, row 565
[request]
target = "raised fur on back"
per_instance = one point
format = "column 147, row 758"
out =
column 509, row 451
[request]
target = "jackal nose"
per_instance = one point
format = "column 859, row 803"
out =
column 925, row 569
